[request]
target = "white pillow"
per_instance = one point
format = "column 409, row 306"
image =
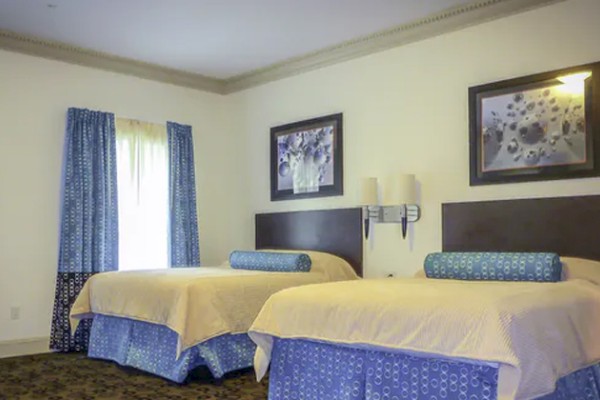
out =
column 580, row 268
column 420, row 274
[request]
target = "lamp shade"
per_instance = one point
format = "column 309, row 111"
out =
column 407, row 189
column 401, row 189
column 368, row 192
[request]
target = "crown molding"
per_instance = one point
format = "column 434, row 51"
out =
column 452, row 19
column 449, row 20
column 90, row 58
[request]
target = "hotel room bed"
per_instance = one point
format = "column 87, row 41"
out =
column 431, row 337
column 167, row 322
column 426, row 339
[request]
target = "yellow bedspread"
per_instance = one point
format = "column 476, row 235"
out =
column 197, row 303
column 535, row 332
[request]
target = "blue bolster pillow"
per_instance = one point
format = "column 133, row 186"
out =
column 534, row 267
column 270, row 261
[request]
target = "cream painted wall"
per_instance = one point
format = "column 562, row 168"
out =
column 405, row 110
column 34, row 96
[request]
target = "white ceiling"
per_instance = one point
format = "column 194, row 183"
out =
column 216, row 38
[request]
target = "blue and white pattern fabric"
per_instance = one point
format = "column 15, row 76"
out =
column 89, row 236
column 184, row 249
column 534, row 267
column 153, row 348
column 302, row 369
column 270, row 261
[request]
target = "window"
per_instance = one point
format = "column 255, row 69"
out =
column 143, row 193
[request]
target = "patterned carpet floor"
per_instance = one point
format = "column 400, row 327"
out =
column 76, row 377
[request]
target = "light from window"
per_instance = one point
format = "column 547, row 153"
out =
column 143, row 193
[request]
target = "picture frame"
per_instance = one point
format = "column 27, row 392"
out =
column 539, row 127
column 307, row 159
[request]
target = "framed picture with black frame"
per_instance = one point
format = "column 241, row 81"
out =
column 538, row 127
column 307, row 159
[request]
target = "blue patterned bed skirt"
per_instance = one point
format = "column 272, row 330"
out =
column 302, row 369
column 153, row 348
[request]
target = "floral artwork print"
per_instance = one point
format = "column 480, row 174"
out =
column 305, row 159
column 534, row 128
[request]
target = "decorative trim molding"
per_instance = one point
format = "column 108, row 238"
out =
column 22, row 347
column 452, row 19
column 449, row 20
column 90, row 58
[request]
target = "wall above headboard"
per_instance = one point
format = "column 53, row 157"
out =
column 337, row 231
column 569, row 226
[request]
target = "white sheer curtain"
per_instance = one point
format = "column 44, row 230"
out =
column 143, row 189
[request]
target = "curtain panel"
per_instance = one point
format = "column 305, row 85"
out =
column 89, row 217
column 183, row 230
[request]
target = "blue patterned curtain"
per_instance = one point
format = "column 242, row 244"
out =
column 89, row 218
column 183, row 242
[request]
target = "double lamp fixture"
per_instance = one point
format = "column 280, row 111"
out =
column 398, row 204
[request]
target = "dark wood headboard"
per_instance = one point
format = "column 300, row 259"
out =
column 569, row 226
column 337, row 231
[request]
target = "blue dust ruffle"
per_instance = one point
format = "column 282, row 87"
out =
column 152, row 348
column 302, row 369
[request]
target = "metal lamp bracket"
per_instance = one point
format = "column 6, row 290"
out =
column 394, row 214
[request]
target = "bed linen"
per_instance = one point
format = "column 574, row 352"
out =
column 535, row 332
column 302, row 369
column 152, row 348
column 198, row 304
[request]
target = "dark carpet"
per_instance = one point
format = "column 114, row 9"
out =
column 58, row 376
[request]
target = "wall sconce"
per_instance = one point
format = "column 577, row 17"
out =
column 398, row 205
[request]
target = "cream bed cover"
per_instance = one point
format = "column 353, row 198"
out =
column 535, row 332
column 197, row 303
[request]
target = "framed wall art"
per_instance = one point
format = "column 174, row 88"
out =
column 538, row 127
column 307, row 159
